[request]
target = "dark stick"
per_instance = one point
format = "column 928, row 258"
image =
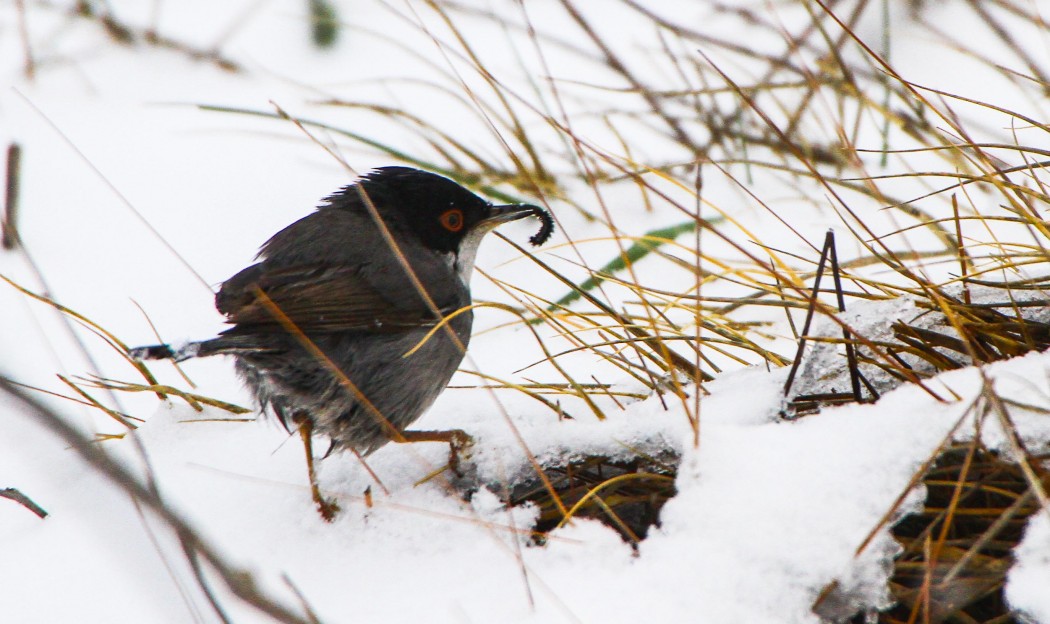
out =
column 241, row 583
column 23, row 500
column 851, row 352
column 829, row 241
column 9, row 223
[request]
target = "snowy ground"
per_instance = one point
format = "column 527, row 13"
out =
column 767, row 514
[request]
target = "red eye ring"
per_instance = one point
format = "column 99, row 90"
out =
column 452, row 220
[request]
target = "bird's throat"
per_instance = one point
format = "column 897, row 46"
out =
column 468, row 250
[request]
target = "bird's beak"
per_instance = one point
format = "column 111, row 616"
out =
column 497, row 215
column 509, row 212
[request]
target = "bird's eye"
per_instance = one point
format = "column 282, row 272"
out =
column 452, row 220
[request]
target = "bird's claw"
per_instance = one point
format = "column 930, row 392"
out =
column 327, row 507
column 459, row 443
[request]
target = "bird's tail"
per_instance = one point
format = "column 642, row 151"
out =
column 179, row 352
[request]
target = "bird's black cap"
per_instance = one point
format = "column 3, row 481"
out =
column 441, row 212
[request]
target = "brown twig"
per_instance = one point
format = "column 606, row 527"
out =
column 239, row 582
column 9, row 223
column 16, row 495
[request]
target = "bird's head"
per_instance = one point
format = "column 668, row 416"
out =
column 443, row 215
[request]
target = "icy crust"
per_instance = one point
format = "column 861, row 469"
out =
column 499, row 457
column 825, row 369
column 656, row 427
column 824, row 366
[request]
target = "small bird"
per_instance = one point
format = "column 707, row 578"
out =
column 335, row 329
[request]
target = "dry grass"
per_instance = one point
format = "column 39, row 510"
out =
column 935, row 204
column 626, row 495
column 939, row 196
column 958, row 550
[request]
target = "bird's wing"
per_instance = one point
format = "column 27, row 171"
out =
column 319, row 298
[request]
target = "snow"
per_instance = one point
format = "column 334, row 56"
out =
column 1030, row 576
column 767, row 512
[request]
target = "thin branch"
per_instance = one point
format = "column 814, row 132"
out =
column 241, row 583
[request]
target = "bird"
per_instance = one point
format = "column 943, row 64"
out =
column 354, row 318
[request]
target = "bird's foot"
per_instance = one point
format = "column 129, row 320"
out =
column 459, row 442
column 327, row 507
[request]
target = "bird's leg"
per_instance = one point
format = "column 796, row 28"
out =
column 457, row 439
column 327, row 508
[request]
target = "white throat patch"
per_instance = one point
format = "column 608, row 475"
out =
column 468, row 250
